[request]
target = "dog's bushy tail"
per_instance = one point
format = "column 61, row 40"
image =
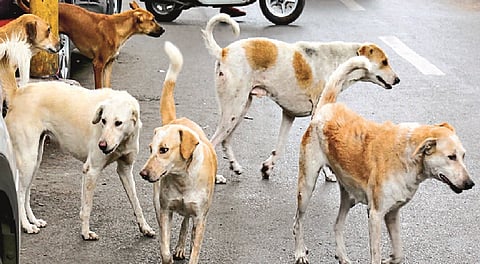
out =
column 16, row 52
column 347, row 73
column 210, row 42
column 167, row 101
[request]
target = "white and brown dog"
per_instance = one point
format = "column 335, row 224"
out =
column 182, row 166
column 98, row 127
column 292, row 75
column 380, row 165
column 28, row 31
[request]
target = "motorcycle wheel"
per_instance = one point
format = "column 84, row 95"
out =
column 164, row 11
column 282, row 12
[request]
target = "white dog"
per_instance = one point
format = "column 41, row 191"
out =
column 97, row 127
column 182, row 166
column 292, row 75
column 380, row 165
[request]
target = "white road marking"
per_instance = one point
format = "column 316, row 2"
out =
column 422, row 64
column 352, row 5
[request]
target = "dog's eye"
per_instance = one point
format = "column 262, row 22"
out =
column 104, row 121
column 163, row 150
column 118, row 123
column 385, row 63
column 452, row 157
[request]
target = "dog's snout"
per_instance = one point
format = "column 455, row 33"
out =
column 144, row 174
column 396, row 81
column 102, row 145
column 468, row 184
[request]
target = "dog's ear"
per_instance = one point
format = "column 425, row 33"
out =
column 134, row 116
column 188, row 143
column 365, row 50
column 31, row 30
column 427, row 147
column 134, row 5
column 447, row 125
column 98, row 115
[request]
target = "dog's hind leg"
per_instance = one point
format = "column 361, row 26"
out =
column 231, row 116
column 124, row 170
column 267, row 165
column 311, row 160
column 392, row 221
column 182, row 240
column 345, row 204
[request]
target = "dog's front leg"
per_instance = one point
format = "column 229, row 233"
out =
column 392, row 221
column 98, row 67
column 124, row 170
column 345, row 204
column 198, row 231
column 374, row 230
column 89, row 182
column 267, row 165
column 164, row 218
column 182, row 238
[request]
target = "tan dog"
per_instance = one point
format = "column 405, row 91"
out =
column 98, row 127
column 100, row 37
column 380, row 165
column 30, row 30
column 292, row 75
column 182, row 166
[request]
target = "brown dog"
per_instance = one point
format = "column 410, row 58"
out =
column 31, row 30
column 182, row 166
column 380, row 165
column 100, row 37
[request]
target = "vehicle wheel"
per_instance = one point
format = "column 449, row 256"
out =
column 164, row 11
column 64, row 58
column 282, row 12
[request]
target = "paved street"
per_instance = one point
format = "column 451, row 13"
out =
column 433, row 47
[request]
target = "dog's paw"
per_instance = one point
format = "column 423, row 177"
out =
column 31, row 229
column 392, row 260
column 302, row 260
column 39, row 223
column 267, row 170
column 219, row 179
column 90, row 236
column 235, row 167
column 179, row 254
column 147, row 231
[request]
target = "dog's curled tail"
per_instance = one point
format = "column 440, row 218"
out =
column 167, row 101
column 14, row 52
column 346, row 73
column 210, row 42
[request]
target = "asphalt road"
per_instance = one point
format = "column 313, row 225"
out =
column 251, row 219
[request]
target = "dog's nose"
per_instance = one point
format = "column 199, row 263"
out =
column 102, row 145
column 144, row 174
column 468, row 185
column 396, row 81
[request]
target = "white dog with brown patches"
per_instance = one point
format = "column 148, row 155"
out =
column 380, row 165
column 292, row 75
column 182, row 166
column 66, row 113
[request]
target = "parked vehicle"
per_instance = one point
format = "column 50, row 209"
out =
column 279, row 12
column 9, row 220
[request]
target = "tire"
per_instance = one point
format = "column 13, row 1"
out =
column 282, row 12
column 164, row 11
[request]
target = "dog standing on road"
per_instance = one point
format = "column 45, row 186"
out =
column 292, row 75
column 98, row 127
column 182, row 166
column 99, row 37
column 380, row 165
column 29, row 30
